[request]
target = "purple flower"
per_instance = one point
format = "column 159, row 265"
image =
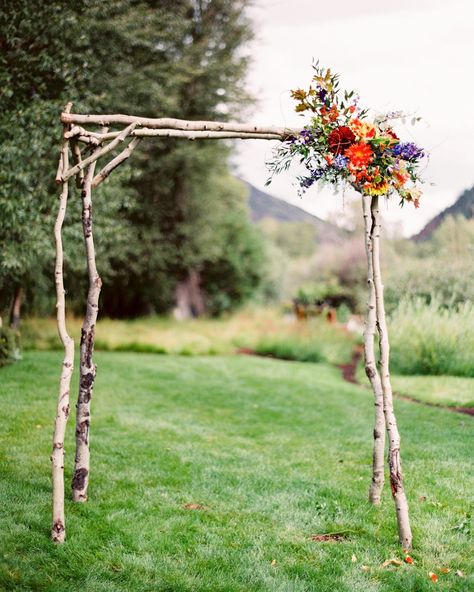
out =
column 306, row 136
column 408, row 151
column 340, row 162
column 322, row 92
column 316, row 174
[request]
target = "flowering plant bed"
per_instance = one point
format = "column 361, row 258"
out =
column 342, row 145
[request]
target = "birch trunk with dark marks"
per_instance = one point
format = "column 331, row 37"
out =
column 394, row 461
column 88, row 369
column 378, row 455
column 58, row 529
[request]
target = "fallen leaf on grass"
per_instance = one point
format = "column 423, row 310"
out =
column 459, row 573
column 194, row 507
column 433, row 577
column 353, row 558
column 422, row 498
column 395, row 562
column 445, row 570
column 365, row 568
column 274, row 562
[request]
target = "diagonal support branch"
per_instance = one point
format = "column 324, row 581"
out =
column 98, row 153
column 117, row 161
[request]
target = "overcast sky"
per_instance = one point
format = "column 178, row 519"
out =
column 415, row 55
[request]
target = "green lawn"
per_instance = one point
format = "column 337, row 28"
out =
column 273, row 451
column 449, row 391
column 454, row 391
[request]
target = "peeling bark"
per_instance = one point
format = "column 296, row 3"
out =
column 88, row 369
column 394, row 462
column 378, row 460
column 58, row 529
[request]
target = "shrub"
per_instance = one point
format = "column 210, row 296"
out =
column 8, row 346
column 432, row 339
column 287, row 348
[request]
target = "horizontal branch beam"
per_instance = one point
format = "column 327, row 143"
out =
column 96, row 138
column 174, row 124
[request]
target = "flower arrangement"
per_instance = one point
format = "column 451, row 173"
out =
column 341, row 145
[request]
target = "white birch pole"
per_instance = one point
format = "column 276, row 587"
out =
column 378, row 456
column 169, row 123
column 96, row 138
column 88, row 369
column 394, row 461
column 58, row 528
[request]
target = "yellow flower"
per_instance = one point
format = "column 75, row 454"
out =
column 376, row 188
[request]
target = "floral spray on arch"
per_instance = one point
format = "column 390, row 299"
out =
column 341, row 145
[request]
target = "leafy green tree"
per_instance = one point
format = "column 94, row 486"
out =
column 158, row 221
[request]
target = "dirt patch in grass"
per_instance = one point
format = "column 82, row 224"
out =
column 192, row 506
column 329, row 538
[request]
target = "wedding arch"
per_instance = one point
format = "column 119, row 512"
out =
column 87, row 138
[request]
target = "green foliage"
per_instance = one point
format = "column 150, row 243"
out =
column 431, row 339
column 290, row 349
column 330, row 291
column 8, row 346
column 313, row 340
column 274, row 453
column 439, row 268
column 154, row 225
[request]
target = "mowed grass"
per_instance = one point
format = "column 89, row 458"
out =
column 445, row 391
column 273, row 452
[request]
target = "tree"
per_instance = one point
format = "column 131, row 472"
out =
column 181, row 57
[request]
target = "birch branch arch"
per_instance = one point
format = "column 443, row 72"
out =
column 77, row 141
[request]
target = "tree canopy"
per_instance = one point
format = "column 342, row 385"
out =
column 175, row 209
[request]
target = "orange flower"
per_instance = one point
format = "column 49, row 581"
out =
column 402, row 177
column 360, row 154
column 361, row 129
column 333, row 113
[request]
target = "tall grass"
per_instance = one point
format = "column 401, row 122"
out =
column 266, row 331
column 431, row 339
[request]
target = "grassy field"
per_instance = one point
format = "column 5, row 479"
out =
column 268, row 453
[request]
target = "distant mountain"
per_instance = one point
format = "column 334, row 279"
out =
column 263, row 205
column 464, row 206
